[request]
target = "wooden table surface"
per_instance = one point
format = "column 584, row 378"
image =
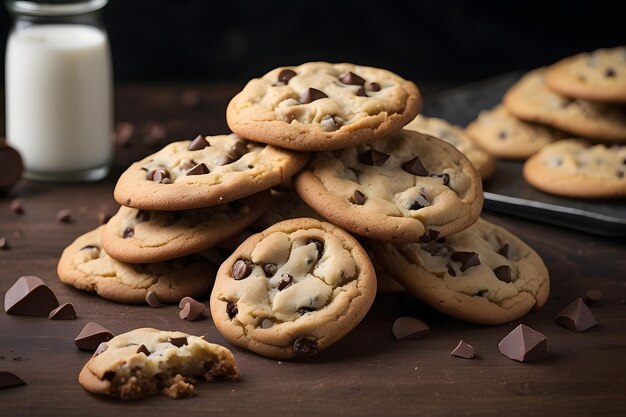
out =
column 367, row 373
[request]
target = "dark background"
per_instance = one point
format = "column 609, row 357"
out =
column 441, row 43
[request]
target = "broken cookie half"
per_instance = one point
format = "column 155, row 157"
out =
column 147, row 361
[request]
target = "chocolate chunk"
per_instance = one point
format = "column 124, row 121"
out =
column 610, row 73
column 503, row 273
column 303, row 346
column 467, row 259
column 373, row 157
column 159, row 176
column 415, row 167
column 30, row 296
column 242, row 269
column 91, row 336
column 128, row 233
column 451, row 270
column 239, row 148
column 179, row 341
column 429, row 236
column 270, row 269
column 593, row 296
column 12, row 166
column 63, row 312
column 285, row 282
column 524, row 344
column 373, row 87
column 153, row 300
column 311, row 95
column 17, row 206
column 463, row 350
column 192, row 309
column 64, row 216
column 8, row 380
column 361, row 92
column 199, row 169
column 359, row 197
column 319, row 246
column 351, row 79
column 409, row 328
column 231, row 310
column 198, row 143
column 143, row 349
column 504, row 251
column 4, row 243
column 576, row 316
column 285, row 75
column 185, row 300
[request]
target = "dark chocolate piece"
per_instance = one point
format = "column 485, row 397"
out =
column 199, row 169
column 351, row 79
column 409, row 328
column 128, row 233
column 503, row 273
column 504, row 251
column 285, row 75
column 242, row 269
column 198, row 143
column 361, row 92
column 303, row 346
column 359, row 197
column 192, row 310
column 30, row 296
column 9, row 380
column 416, row 204
column 143, row 349
column 91, row 336
column 160, row 176
column 319, row 246
column 429, row 236
column 576, row 316
column 463, row 350
column 524, row 344
column 64, row 216
column 285, row 282
column 63, row 312
column 373, row 157
column 153, row 300
column 451, row 270
column 231, row 310
column 373, row 87
column 415, row 167
column 311, row 95
column 179, row 341
column 12, row 166
column 270, row 269
column 467, row 259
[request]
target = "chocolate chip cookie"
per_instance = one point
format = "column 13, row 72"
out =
column 321, row 106
column 406, row 187
column 293, row 289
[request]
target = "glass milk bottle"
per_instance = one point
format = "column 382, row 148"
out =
column 59, row 109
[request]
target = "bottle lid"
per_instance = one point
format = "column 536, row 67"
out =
column 54, row 7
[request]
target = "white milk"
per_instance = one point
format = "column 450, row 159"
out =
column 58, row 99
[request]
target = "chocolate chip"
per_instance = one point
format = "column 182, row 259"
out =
column 4, row 243
column 270, row 269
column 351, row 79
column 100, row 349
column 231, row 310
column 225, row 160
column 179, row 341
column 576, row 316
column 524, row 344
column 504, row 251
column 17, row 206
column 429, row 236
column 319, row 246
column 373, row 157
column 143, row 349
column 463, row 350
column 415, row 167
column 239, row 148
column 409, row 328
column 503, row 273
column 285, row 75
column 64, row 216
column 451, row 270
column 199, row 169
column 467, row 259
column 242, row 269
column 373, row 87
column 303, row 346
column 30, row 296
column 192, row 310
column 159, row 176
column 128, row 233
column 198, row 143
column 285, row 282
column 91, row 336
column 610, row 73
column 9, row 380
column 359, row 197
column 153, row 300
column 593, row 296
column 311, row 95
column 361, row 92
column 63, row 312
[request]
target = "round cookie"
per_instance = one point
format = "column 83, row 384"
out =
column 483, row 274
column 86, row 266
column 407, row 187
column 531, row 100
column 293, row 289
column 455, row 135
column 321, row 106
column 597, row 76
column 205, row 172
column 505, row 136
column 575, row 168
column 147, row 361
column 141, row 236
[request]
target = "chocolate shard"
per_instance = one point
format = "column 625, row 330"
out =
column 415, row 167
column 373, row 157
column 91, row 336
column 524, row 344
column 311, row 95
column 199, row 169
column 463, row 350
column 198, row 143
column 285, row 75
column 63, row 312
column 576, row 316
column 9, row 380
column 153, row 300
column 192, row 310
column 351, row 79
column 359, row 197
column 64, row 216
column 303, row 346
column 143, row 349
column 179, row 341
column 30, row 296
column 467, row 259
column 503, row 273
column 429, row 236
column 231, row 310
column 373, row 87
column 593, row 296
column 241, row 269
column 409, row 328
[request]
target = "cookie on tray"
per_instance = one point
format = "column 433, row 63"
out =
column 141, row 236
column 531, row 100
column 320, row 106
column 455, row 135
column 293, row 289
column 147, row 361
column 597, row 76
column 407, row 187
column 205, row 172
column 505, row 136
column 484, row 274
column 576, row 168
column 86, row 266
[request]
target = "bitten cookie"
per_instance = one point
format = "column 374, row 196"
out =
column 483, row 274
column 320, row 106
column 205, row 172
column 293, row 289
column 141, row 236
column 147, row 361
column 455, row 135
column 407, row 187
column 86, row 266
column 597, row 76
column 575, row 168
column 529, row 99
column 505, row 136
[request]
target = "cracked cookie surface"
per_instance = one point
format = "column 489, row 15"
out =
column 293, row 289
column 205, row 172
column 147, row 361
column 484, row 274
column 321, row 106
column 86, row 266
column 406, row 187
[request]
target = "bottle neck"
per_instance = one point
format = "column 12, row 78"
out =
column 52, row 9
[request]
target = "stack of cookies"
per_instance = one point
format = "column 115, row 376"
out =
column 375, row 194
